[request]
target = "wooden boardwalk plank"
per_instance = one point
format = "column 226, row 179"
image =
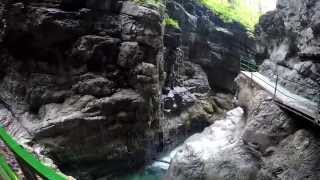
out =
column 283, row 96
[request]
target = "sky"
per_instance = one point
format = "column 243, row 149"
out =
column 266, row 5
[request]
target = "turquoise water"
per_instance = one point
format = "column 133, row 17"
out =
column 154, row 171
column 143, row 177
column 149, row 173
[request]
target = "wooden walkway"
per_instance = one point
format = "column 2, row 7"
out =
column 286, row 99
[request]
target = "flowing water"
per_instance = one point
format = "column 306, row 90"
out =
column 156, row 170
column 220, row 136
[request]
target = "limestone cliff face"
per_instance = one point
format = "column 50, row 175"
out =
column 201, row 60
column 89, row 80
column 211, row 43
column 269, row 143
column 289, row 45
column 83, row 82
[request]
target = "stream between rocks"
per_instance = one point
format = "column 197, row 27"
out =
column 219, row 136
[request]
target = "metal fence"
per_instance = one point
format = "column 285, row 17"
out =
column 251, row 66
column 31, row 167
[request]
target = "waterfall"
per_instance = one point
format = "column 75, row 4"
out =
column 162, row 146
column 178, row 63
column 174, row 64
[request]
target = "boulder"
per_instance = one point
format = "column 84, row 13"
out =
column 216, row 153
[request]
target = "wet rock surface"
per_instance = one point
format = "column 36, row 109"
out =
column 206, row 149
column 201, row 59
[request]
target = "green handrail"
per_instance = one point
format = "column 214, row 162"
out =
column 28, row 159
column 6, row 173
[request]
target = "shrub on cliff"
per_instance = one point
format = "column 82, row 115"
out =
column 234, row 11
column 171, row 23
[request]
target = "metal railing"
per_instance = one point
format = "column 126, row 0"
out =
column 6, row 172
column 250, row 66
column 31, row 167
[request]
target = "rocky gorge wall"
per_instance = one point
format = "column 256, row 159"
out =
column 201, row 60
column 210, row 42
column 84, row 83
column 101, row 86
column 268, row 143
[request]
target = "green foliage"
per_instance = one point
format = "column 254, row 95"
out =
column 234, row 10
column 171, row 23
